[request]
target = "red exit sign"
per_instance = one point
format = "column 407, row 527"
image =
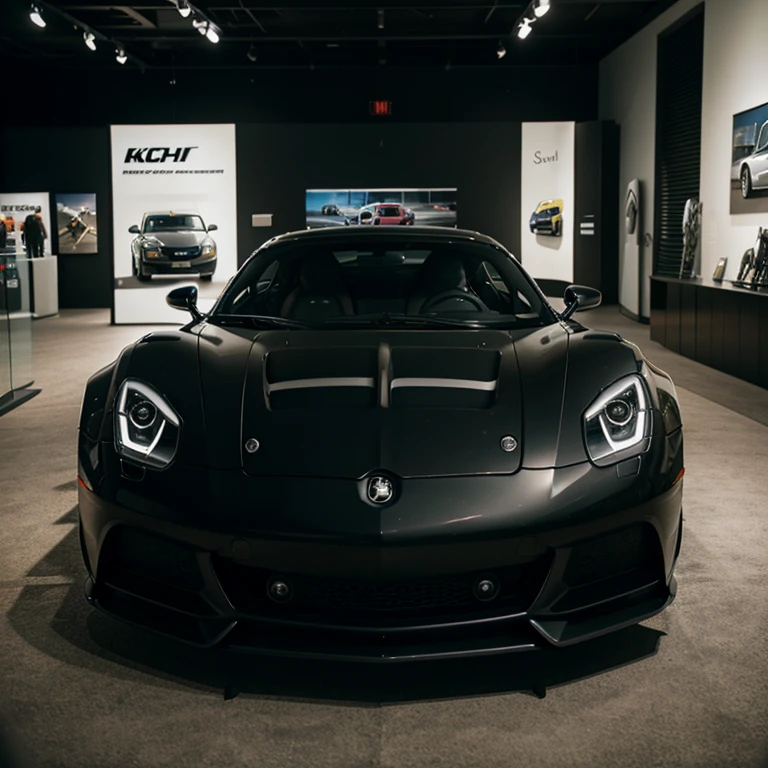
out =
column 380, row 107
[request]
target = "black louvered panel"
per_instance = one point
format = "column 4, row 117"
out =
column 678, row 137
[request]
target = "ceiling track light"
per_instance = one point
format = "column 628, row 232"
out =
column 208, row 29
column 540, row 7
column 380, row 18
column 183, row 7
column 120, row 56
column 524, row 29
column 252, row 53
column 36, row 14
column 501, row 51
column 90, row 40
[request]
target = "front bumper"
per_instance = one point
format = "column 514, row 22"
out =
column 202, row 265
column 568, row 569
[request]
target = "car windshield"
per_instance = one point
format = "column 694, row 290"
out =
column 404, row 282
column 173, row 223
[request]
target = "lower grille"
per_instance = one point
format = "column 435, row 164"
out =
column 181, row 254
column 323, row 598
column 152, row 568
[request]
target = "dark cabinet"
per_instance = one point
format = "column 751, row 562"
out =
column 714, row 324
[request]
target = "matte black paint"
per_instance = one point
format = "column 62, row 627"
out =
column 462, row 506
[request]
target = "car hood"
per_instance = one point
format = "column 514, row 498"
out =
column 313, row 401
column 413, row 404
column 181, row 239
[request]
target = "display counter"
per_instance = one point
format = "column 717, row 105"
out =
column 716, row 324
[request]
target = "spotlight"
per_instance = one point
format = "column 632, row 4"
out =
column 36, row 14
column 208, row 29
column 501, row 51
column 182, row 6
column 252, row 55
column 90, row 40
column 120, row 55
column 525, row 29
column 540, row 7
column 380, row 18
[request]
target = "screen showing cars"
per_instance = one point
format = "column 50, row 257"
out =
column 371, row 207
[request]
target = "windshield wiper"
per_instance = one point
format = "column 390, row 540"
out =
column 259, row 321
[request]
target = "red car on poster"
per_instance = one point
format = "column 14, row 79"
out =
column 385, row 213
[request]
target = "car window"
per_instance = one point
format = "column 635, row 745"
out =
column 168, row 223
column 354, row 282
column 762, row 139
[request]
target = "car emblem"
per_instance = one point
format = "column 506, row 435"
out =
column 380, row 490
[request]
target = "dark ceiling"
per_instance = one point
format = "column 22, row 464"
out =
column 299, row 33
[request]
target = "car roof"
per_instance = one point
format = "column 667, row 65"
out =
column 169, row 213
column 384, row 232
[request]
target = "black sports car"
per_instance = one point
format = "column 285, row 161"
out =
column 173, row 243
column 381, row 444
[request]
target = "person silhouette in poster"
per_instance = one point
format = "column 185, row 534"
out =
column 34, row 234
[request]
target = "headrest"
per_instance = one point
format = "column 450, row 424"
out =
column 320, row 274
column 443, row 271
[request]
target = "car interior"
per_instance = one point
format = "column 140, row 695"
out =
column 321, row 285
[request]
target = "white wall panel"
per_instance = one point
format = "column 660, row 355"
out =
column 547, row 172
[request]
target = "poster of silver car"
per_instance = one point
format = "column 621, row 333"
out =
column 749, row 161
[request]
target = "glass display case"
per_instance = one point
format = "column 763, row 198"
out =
column 15, row 332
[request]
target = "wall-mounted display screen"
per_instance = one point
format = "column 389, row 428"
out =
column 393, row 206
column 749, row 161
column 76, row 223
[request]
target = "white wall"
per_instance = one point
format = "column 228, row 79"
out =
column 735, row 59
column 735, row 66
column 628, row 96
column 547, row 163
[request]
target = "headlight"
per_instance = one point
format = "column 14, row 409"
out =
column 209, row 250
column 617, row 424
column 146, row 426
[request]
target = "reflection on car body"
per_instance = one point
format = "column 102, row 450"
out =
column 381, row 444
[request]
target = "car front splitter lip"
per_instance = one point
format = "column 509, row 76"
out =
column 247, row 636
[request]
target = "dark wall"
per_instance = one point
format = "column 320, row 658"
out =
column 66, row 159
column 123, row 95
column 277, row 163
column 297, row 129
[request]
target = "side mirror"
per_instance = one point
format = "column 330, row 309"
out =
column 580, row 297
column 185, row 298
column 212, row 227
column 134, row 230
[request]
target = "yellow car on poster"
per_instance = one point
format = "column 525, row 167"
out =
column 547, row 219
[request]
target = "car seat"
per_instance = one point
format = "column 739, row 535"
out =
column 440, row 287
column 320, row 293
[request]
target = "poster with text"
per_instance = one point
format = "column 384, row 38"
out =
column 749, row 161
column 547, row 197
column 175, row 223
column 393, row 206
column 76, row 223
column 14, row 210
